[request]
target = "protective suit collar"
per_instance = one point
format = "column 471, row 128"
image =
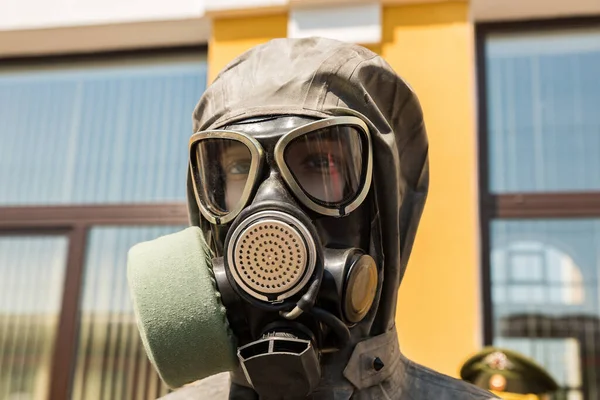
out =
column 399, row 378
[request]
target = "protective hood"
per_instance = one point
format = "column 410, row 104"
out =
column 319, row 77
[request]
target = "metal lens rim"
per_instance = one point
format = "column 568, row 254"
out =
column 257, row 159
column 256, row 153
column 343, row 208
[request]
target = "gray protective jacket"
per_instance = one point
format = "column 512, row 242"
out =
column 400, row 379
column 320, row 78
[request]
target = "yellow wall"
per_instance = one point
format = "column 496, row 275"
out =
column 430, row 45
column 233, row 36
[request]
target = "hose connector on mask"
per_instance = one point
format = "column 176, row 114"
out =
column 282, row 348
column 351, row 281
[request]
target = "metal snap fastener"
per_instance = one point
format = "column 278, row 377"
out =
column 378, row 364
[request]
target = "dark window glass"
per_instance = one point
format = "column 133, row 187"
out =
column 103, row 133
column 546, row 296
column 543, row 96
column 32, row 271
column 111, row 361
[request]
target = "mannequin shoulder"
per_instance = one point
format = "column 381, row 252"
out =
column 430, row 384
column 215, row 387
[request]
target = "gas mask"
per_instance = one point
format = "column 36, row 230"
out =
column 286, row 198
column 278, row 250
column 305, row 185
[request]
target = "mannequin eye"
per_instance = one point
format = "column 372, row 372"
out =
column 321, row 163
column 241, row 167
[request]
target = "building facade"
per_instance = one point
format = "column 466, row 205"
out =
column 95, row 112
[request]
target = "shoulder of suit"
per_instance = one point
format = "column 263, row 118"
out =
column 431, row 381
column 215, row 387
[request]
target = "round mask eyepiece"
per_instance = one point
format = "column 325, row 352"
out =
column 360, row 288
column 271, row 256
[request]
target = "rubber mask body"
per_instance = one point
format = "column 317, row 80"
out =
column 340, row 245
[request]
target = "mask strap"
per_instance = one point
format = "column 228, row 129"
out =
column 376, row 251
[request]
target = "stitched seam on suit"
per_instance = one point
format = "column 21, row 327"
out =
column 436, row 382
column 354, row 71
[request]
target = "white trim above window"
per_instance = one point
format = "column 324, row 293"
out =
column 354, row 23
column 247, row 7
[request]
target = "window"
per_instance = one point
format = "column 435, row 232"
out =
column 33, row 270
column 105, row 132
column 539, row 92
column 111, row 361
column 543, row 121
column 93, row 159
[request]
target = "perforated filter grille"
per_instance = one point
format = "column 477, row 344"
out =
column 270, row 257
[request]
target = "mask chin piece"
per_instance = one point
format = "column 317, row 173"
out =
column 281, row 363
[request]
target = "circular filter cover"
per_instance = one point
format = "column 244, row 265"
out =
column 270, row 257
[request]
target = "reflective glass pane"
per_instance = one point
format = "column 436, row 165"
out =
column 111, row 361
column 546, row 296
column 543, row 91
column 32, row 272
column 99, row 133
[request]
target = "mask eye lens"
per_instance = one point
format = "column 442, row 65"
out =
column 328, row 163
column 222, row 172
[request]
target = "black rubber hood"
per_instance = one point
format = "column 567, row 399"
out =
column 318, row 77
